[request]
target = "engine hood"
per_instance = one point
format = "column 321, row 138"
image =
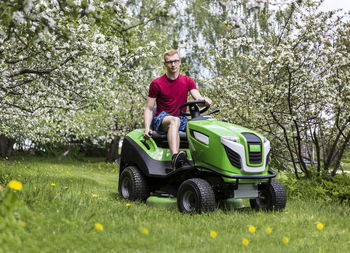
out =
column 215, row 142
column 220, row 128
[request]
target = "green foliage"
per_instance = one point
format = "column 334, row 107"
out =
column 322, row 188
column 14, row 215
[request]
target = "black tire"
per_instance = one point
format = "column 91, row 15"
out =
column 272, row 197
column 133, row 185
column 195, row 195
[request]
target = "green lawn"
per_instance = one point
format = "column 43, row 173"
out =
column 61, row 201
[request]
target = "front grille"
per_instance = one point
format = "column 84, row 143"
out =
column 255, row 157
column 234, row 157
column 252, row 139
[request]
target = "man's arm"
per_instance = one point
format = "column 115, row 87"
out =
column 197, row 96
column 147, row 116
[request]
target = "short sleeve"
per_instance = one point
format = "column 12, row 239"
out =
column 153, row 90
column 191, row 84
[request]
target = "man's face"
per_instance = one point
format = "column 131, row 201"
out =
column 172, row 63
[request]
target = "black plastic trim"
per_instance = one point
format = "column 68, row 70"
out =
column 272, row 174
column 132, row 153
column 233, row 157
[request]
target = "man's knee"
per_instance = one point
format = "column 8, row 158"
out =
column 175, row 121
column 171, row 122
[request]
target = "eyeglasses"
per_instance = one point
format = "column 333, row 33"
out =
column 171, row 62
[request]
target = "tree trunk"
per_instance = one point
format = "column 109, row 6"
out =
column 340, row 154
column 6, row 146
column 318, row 153
column 113, row 152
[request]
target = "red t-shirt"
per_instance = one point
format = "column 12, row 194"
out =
column 171, row 94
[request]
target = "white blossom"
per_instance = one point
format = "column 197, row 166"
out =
column 18, row 17
column 152, row 44
column 28, row 6
column 90, row 8
column 172, row 12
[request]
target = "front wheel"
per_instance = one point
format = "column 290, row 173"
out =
column 133, row 185
column 272, row 196
column 195, row 195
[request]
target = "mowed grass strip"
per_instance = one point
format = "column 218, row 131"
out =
column 74, row 207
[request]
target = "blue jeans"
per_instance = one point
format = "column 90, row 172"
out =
column 157, row 122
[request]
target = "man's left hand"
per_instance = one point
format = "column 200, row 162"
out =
column 208, row 101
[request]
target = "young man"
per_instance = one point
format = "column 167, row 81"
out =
column 170, row 91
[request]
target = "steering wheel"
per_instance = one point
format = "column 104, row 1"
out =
column 194, row 110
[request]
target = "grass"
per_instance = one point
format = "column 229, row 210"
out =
column 61, row 201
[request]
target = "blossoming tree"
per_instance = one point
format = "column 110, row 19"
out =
column 67, row 69
column 292, row 84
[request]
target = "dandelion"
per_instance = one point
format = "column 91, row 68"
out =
column 98, row 227
column 213, row 234
column 319, row 226
column 251, row 229
column 144, row 231
column 53, row 184
column 94, row 195
column 268, row 230
column 285, row 240
column 245, row 242
column 15, row 185
column 128, row 204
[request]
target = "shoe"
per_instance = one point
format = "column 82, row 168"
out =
column 178, row 160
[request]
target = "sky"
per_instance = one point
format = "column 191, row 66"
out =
column 336, row 4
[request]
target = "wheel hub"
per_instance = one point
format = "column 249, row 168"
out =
column 126, row 188
column 189, row 201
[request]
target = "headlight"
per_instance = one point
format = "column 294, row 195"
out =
column 201, row 137
column 229, row 138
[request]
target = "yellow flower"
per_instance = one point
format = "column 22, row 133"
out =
column 268, row 230
column 15, row 185
column 94, row 195
column 319, row 226
column 53, row 184
column 144, row 231
column 245, row 242
column 98, row 227
column 285, row 240
column 23, row 224
column 6, row 158
column 213, row 234
column 251, row 229
column 128, row 204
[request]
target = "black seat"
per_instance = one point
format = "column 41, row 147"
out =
column 161, row 139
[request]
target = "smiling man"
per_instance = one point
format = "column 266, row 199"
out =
column 169, row 92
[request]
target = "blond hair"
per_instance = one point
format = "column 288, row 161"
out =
column 171, row 52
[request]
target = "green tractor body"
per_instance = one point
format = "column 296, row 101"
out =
column 225, row 161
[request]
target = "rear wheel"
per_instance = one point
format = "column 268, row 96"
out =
column 271, row 197
column 133, row 185
column 195, row 195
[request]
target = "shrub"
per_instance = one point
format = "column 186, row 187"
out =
column 321, row 188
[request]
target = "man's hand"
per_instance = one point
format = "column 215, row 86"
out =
column 148, row 134
column 208, row 101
